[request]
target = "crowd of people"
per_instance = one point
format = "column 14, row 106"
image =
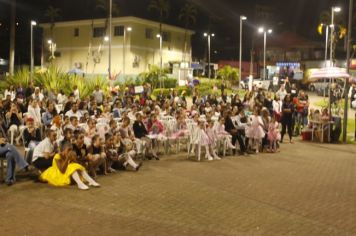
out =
column 72, row 140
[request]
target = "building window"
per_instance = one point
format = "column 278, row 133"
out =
column 166, row 36
column 99, row 32
column 76, row 32
column 149, row 33
column 119, row 30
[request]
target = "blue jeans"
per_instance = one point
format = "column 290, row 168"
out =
column 13, row 158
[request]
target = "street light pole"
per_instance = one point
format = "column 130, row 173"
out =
column 161, row 61
column 264, row 54
column 326, row 51
column 33, row 23
column 326, row 44
column 128, row 29
column 262, row 30
column 332, row 32
column 209, row 73
column 242, row 18
column 349, row 37
column 208, row 35
column 110, row 28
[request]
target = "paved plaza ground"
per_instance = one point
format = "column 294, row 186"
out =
column 306, row 189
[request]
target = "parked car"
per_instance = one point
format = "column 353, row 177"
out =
column 321, row 86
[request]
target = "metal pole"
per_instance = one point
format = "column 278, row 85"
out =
column 326, row 53
column 264, row 54
column 331, row 59
column 161, row 60
column 332, row 28
column 32, row 60
column 110, row 26
column 124, row 55
column 209, row 56
column 240, row 56
column 348, row 51
column 12, row 38
column 326, row 45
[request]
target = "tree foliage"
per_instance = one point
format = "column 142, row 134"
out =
column 229, row 73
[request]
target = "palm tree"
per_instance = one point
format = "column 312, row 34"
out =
column 12, row 37
column 52, row 14
column 162, row 7
column 340, row 29
column 187, row 15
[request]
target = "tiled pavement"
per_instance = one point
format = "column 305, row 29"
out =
column 306, row 189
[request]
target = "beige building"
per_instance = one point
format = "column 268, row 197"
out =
column 81, row 45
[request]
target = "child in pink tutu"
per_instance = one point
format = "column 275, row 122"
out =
column 273, row 134
column 213, row 137
column 255, row 131
column 222, row 133
column 180, row 129
column 204, row 140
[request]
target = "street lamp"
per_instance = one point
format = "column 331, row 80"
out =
column 110, row 28
column 161, row 62
column 209, row 35
column 332, row 28
column 242, row 18
column 326, row 42
column 262, row 30
column 52, row 48
column 128, row 29
column 326, row 49
column 33, row 23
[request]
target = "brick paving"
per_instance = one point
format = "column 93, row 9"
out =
column 306, row 189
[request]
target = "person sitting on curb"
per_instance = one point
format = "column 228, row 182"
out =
column 13, row 158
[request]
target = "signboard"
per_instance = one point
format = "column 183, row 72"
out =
column 138, row 89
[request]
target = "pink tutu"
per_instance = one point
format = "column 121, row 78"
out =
column 255, row 131
column 273, row 132
column 204, row 139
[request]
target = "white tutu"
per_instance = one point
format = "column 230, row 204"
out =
column 255, row 130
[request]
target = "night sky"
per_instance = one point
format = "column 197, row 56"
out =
column 220, row 16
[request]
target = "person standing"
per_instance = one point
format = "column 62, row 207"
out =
column 98, row 95
column 287, row 118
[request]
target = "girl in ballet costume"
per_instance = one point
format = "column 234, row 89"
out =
column 255, row 131
column 222, row 133
column 273, row 134
column 213, row 137
column 204, row 140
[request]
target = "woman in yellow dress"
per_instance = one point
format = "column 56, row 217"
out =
column 64, row 168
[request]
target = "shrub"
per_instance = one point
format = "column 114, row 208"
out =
column 53, row 79
column 166, row 91
column 152, row 76
column 170, row 83
column 229, row 73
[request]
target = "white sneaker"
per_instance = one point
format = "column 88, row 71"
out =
column 216, row 157
column 209, row 157
column 83, row 187
column 94, row 184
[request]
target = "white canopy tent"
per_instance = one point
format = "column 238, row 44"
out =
column 330, row 73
